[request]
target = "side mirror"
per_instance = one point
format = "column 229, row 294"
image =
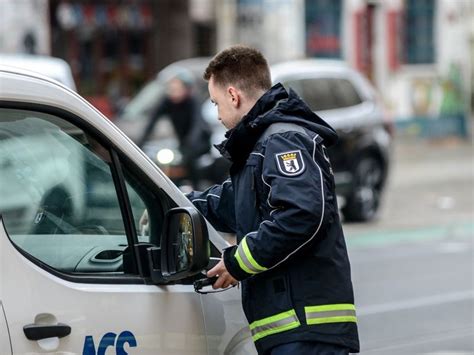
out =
column 185, row 248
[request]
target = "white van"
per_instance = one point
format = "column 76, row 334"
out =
column 114, row 275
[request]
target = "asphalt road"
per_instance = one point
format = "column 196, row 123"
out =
column 413, row 268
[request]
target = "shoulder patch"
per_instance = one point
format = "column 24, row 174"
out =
column 290, row 163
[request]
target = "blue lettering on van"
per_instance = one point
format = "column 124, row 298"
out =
column 125, row 337
column 110, row 340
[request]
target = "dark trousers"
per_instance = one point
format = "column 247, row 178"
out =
column 308, row 348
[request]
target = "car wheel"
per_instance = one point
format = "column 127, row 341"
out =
column 364, row 199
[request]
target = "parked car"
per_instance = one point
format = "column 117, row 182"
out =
column 348, row 102
column 116, row 273
column 337, row 93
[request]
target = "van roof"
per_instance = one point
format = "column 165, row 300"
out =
column 54, row 68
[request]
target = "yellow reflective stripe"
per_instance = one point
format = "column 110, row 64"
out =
column 330, row 313
column 271, row 319
column 265, row 333
column 340, row 319
column 245, row 259
column 274, row 324
column 246, row 249
column 241, row 262
column 330, row 307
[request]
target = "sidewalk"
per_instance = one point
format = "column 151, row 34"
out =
column 430, row 185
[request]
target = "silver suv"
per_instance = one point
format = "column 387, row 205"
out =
column 349, row 103
column 339, row 94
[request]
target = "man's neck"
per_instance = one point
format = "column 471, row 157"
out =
column 250, row 103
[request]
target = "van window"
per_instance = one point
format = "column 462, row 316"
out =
column 323, row 94
column 59, row 201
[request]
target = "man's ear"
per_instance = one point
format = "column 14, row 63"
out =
column 234, row 96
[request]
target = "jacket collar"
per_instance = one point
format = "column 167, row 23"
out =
column 242, row 139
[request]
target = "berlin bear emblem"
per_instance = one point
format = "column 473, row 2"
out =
column 290, row 163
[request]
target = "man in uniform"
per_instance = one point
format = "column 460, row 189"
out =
column 280, row 201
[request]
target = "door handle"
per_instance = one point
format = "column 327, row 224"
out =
column 42, row 331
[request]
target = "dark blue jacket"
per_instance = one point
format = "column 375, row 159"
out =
column 280, row 202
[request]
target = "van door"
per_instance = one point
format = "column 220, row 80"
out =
column 72, row 213
column 5, row 346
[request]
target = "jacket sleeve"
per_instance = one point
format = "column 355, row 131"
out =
column 217, row 205
column 296, row 202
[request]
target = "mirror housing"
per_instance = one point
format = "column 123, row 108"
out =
column 185, row 248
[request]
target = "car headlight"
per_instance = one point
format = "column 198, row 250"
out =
column 165, row 156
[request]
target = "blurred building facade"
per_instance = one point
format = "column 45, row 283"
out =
column 24, row 27
column 418, row 53
column 116, row 46
column 113, row 46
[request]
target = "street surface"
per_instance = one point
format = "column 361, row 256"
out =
column 413, row 268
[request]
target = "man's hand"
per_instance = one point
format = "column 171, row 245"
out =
column 225, row 279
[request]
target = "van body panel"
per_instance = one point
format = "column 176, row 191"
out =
column 5, row 346
column 224, row 335
column 159, row 318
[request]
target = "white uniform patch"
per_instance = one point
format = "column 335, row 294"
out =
column 290, row 163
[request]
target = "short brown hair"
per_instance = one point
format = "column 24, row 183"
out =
column 242, row 66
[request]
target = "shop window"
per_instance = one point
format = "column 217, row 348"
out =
column 323, row 28
column 418, row 35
